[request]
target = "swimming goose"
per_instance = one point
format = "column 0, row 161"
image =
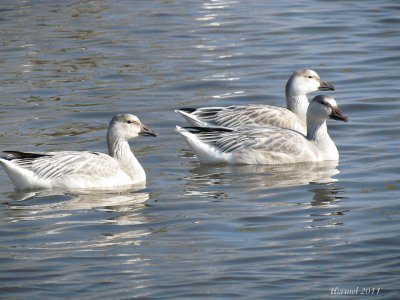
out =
column 82, row 169
column 298, row 86
column 268, row 144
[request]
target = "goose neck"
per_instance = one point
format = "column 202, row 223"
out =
column 120, row 150
column 297, row 103
column 317, row 131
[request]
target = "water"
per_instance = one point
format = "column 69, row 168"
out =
column 250, row 232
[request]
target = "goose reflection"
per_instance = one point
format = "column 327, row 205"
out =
column 324, row 209
column 260, row 178
column 325, row 194
column 279, row 185
column 310, row 188
column 82, row 223
column 51, row 204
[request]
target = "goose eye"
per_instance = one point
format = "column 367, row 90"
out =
column 129, row 122
column 310, row 77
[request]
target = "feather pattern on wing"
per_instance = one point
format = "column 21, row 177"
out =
column 248, row 115
column 259, row 145
column 65, row 163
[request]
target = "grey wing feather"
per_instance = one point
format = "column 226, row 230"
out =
column 59, row 164
column 237, row 116
column 259, row 144
column 228, row 141
column 237, row 141
column 264, row 139
column 282, row 144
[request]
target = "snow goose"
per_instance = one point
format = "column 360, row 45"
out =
column 301, row 83
column 82, row 169
column 268, row 144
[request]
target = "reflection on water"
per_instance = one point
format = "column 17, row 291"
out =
column 325, row 195
column 263, row 177
column 47, row 204
column 259, row 183
column 86, row 219
column 325, row 206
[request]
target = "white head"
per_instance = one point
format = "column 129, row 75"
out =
column 306, row 81
column 127, row 126
column 322, row 108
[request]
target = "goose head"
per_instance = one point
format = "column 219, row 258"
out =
column 306, row 81
column 127, row 126
column 322, row 108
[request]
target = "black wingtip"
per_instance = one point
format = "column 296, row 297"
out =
column 24, row 155
column 207, row 129
column 187, row 109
